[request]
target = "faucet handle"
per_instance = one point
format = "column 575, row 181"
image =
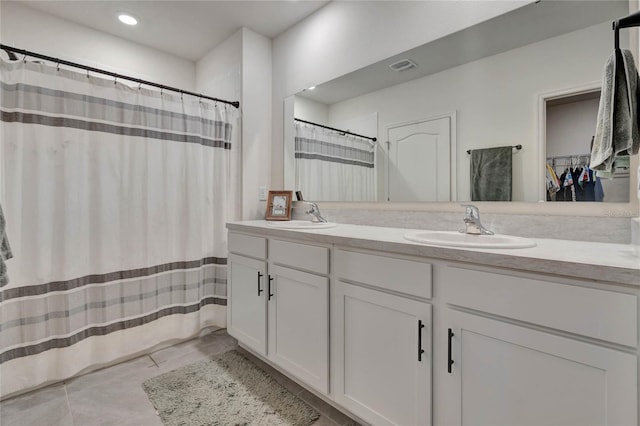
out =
column 471, row 211
column 314, row 211
column 472, row 221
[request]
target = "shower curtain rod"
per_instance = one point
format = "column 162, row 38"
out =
column 518, row 147
column 337, row 130
column 632, row 20
column 10, row 50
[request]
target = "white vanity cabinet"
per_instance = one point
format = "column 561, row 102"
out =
column 279, row 304
column 298, row 309
column 531, row 365
column 405, row 334
column 381, row 338
column 247, row 308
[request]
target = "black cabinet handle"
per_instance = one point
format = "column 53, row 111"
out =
column 269, row 288
column 260, row 275
column 450, row 360
column 420, row 350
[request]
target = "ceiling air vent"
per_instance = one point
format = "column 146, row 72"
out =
column 402, row 65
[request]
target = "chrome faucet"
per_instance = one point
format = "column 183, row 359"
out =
column 314, row 211
column 472, row 221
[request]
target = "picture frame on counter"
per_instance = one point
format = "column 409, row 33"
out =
column 279, row 205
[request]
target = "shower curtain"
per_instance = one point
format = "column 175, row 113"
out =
column 115, row 199
column 331, row 166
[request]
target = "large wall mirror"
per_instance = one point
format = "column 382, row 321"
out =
column 520, row 90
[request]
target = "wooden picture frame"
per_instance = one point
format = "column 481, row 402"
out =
column 279, row 205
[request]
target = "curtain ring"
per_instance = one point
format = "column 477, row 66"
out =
column 87, row 73
column 24, row 59
column 58, row 66
column 139, row 86
column 115, row 80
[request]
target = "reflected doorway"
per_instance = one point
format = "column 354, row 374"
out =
column 418, row 162
column 569, row 125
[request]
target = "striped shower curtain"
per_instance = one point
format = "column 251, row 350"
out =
column 115, row 200
column 331, row 166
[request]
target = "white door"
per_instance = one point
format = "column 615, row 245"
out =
column 503, row 374
column 382, row 347
column 247, row 317
column 418, row 167
column 299, row 325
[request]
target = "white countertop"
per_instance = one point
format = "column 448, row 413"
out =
column 601, row 262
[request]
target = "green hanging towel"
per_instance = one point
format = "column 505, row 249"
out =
column 491, row 174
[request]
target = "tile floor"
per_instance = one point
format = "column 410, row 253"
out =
column 114, row 395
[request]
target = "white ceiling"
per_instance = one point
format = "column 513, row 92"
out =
column 188, row 29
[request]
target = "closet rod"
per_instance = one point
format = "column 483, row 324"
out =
column 570, row 156
column 632, row 20
column 518, row 147
column 337, row 130
column 28, row 53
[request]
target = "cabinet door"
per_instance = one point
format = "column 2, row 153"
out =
column 503, row 374
column 299, row 324
column 382, row 356
column 246, row 309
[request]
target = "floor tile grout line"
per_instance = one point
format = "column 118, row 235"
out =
column 153, row 360
column 66, row 397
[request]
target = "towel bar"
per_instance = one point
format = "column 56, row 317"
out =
column 518, row 147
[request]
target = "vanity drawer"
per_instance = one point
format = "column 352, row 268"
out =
column 247, row 245
column 401, row 275
column 600, row 314
column 299, row 256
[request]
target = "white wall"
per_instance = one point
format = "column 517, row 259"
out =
column 240, row 69
column 313, row 111
column 570, row 127
column 219, row 73
column 345, row 36
column 33, row 30
column 256, row 106
column 495, row 99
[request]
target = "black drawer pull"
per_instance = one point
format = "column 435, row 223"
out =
column 450, row 360
column 260, row 275
column 420, row 350
column 269, row 288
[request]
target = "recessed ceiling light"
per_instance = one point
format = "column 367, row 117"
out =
column 127, row 19
column 311, row 88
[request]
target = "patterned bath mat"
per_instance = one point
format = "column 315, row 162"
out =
column 227, row 389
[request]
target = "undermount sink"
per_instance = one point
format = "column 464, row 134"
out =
column 458, row 239
column 301, row 224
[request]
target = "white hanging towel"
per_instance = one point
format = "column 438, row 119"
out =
column 617, row 125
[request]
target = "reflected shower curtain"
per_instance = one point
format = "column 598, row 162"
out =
column 116, row 200
column 333, row 167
